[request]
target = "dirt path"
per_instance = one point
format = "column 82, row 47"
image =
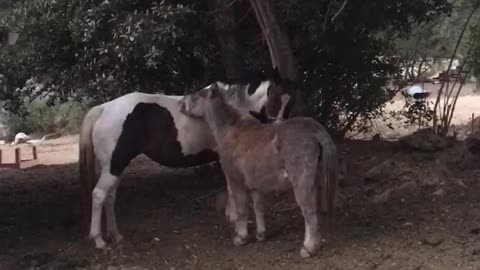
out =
column 467, row 103
column 170, row 225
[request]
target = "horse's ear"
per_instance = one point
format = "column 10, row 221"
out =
column 275, row 70
column 276, row 75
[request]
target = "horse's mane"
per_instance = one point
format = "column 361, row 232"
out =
column 240, row 90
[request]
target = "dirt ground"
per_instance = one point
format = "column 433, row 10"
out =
column 401, row 210
column 468, row 103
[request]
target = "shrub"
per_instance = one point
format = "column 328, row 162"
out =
column 39, row 117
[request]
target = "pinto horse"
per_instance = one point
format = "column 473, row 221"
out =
column 296, row 153
column 115, row 132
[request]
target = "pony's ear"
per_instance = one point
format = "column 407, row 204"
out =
column 214, row 91
column 203, row 93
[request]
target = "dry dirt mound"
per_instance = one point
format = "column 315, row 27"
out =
column 419, row 164
column 169, row 224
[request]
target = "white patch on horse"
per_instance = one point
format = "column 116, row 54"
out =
column 259, row 98
column 244, row 102
column 284, row 100
column 221, row 85
column 193, row 134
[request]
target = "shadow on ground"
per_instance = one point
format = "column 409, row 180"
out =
column 169, row 221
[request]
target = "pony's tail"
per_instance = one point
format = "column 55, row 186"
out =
column 86, row 162
column 328, row 171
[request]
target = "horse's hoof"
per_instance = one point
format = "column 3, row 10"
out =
column 260, row 236
column 239, row 241
column 304, row 253
column 100, row 244
column 117, row 239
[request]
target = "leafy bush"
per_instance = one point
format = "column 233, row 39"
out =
column 418, row 112
column 474, row 60
column 349, row 63
column 41, row 118
column 103, row 49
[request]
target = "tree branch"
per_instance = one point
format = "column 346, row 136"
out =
column 326, row 15
column 340, row 10
column 218, row 9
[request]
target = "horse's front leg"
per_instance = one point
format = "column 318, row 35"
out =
column 222, row 195
column 237, row 211
column 259, row 210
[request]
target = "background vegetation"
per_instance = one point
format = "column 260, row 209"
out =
column 352, row 56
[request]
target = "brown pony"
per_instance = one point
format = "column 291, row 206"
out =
column 259, row 157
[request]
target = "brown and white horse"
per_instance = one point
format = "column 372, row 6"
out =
column 296, row 153
column 117, row 131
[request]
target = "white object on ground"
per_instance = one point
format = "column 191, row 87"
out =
column 37, row 141
column 414, row 90
column 21, row 137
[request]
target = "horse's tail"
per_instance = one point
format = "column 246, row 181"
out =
column 86, row 161
column 327, row 170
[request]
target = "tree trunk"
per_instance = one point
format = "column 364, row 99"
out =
column 281, row 53
column 224, row 22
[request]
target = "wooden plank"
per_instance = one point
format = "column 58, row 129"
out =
column 28, row 163
column 9, row 165
column 34, row 151
column 18, row 157
column 473, row 124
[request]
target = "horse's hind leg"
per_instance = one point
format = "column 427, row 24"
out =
column 112, row 229
column 259, row 210
column 306, row 196
column 105, row 184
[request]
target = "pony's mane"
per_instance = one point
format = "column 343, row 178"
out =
column 225, row 113
column 230, row 111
